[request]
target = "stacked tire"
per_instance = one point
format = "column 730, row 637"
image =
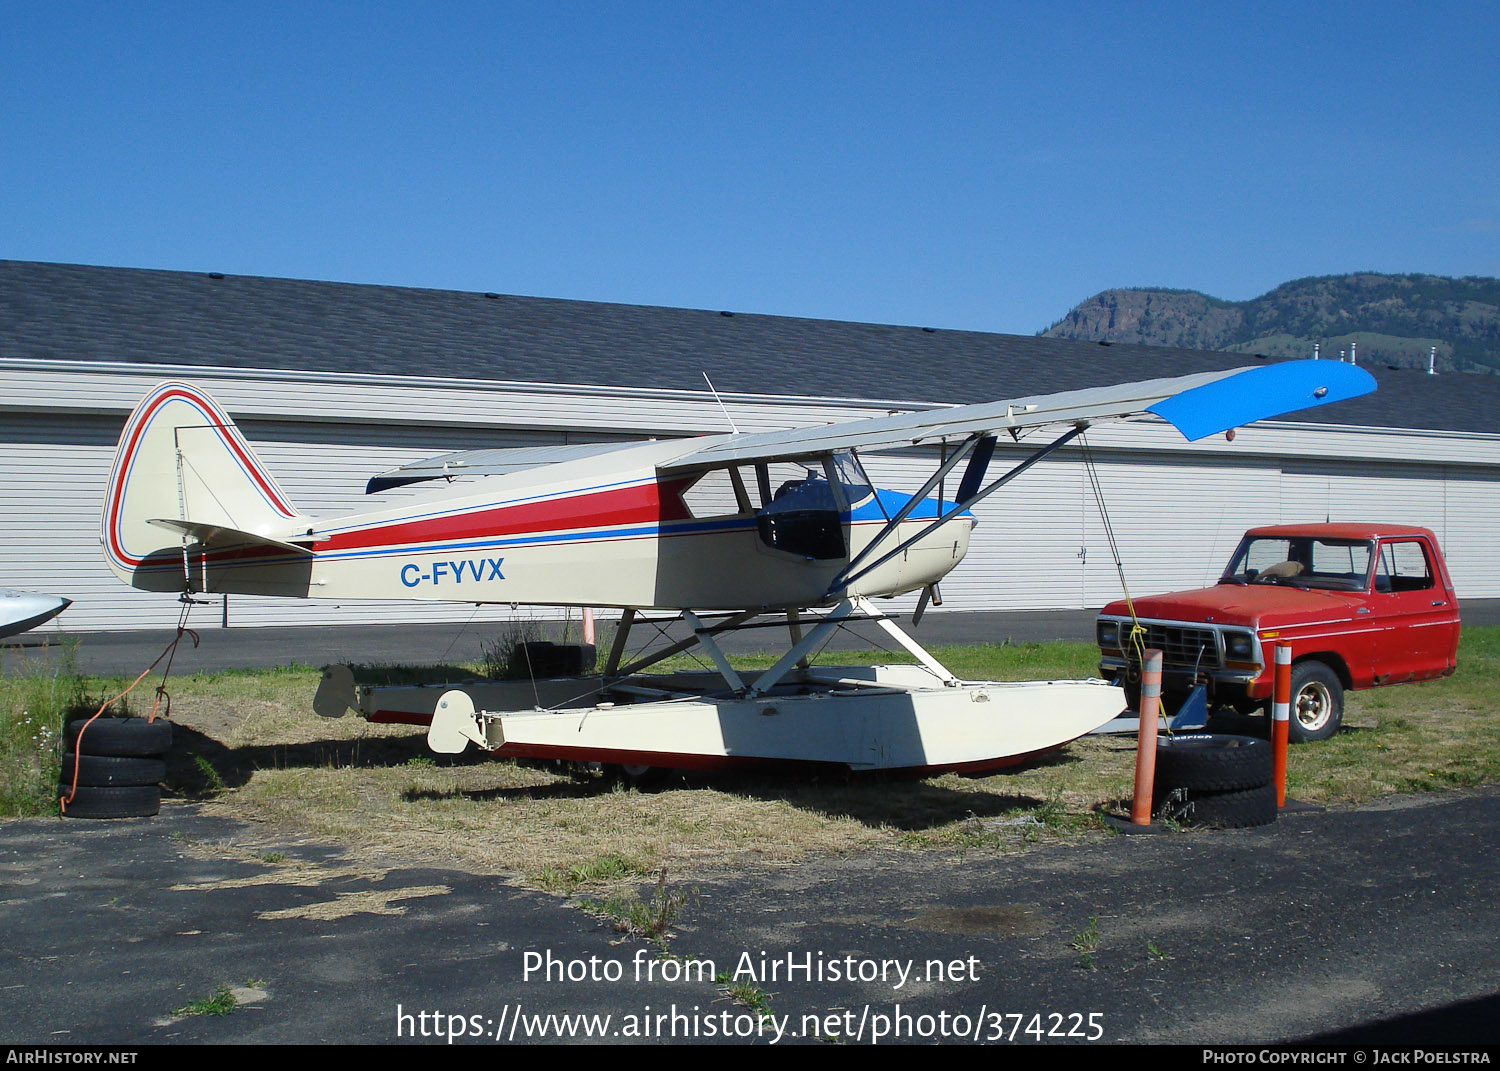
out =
column 1214, row 779
column 119, row 763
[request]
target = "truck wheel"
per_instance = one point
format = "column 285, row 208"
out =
column 1317, row 702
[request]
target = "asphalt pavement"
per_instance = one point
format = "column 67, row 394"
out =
column 1373, row 927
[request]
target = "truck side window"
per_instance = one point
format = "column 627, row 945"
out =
column 1403, row 566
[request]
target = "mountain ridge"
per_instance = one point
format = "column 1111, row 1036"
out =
column 1391, row 319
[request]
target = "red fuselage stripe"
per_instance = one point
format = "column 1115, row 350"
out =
column 642, row 504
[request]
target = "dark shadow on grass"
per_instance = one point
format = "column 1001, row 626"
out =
column 561, row 790
column 377, row 675
column 877, row 800
column 199, row 765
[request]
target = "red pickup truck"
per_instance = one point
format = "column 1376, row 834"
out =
column 1361, row 605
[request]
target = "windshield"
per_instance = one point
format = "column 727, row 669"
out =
column 1302, row 561
column 851, row 478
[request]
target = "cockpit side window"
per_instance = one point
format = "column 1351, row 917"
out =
column 717, row 493
column 805, row 515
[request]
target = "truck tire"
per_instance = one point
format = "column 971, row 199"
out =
column 123, row 737
column 1213, row 762
column 99, row 771
column 1317, row 702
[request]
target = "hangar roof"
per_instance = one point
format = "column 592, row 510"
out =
column 80, row 313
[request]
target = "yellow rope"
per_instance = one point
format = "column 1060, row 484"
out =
column 1135, row 640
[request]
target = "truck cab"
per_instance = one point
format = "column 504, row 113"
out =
column 1362, row 605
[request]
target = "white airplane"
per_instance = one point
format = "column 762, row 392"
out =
column 782, row 523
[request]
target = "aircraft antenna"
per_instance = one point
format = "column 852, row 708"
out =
column 721, row 403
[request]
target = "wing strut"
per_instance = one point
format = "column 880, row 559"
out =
column 976, row 470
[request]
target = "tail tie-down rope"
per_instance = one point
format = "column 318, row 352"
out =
column 162, row 702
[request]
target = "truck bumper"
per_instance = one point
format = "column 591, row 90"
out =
column 1224, row 685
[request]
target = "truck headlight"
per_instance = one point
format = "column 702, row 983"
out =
column 1108, row 634
column 1239, row 646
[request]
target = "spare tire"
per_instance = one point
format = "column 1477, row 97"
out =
column 134, row 801
column 107, row 770
column 1224, row 810
column 124, row 737
column 1214, row 762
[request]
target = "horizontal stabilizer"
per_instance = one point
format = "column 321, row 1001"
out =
column 1253, row 394
column 218, row 537
column 22, row 610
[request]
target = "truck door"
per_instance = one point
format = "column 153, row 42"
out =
column 1415, row 624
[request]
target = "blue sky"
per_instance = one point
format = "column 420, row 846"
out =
column 982, row 166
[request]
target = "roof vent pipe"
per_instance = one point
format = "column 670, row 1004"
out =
column 1432, row 361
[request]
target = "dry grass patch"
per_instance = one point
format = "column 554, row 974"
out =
column 250, row 745
column 501, row 816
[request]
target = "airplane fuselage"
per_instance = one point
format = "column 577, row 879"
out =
column 610, row 532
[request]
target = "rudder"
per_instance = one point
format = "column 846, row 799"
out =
column 182, row 459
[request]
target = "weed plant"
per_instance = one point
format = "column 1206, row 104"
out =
column 36, row 701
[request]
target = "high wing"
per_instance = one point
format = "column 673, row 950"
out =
column 1197, row 405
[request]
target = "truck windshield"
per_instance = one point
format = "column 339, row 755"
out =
column 1302, row 561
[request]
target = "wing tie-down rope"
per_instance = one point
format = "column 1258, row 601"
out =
column 1137, row 637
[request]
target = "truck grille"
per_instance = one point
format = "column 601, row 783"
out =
column 1183, row 647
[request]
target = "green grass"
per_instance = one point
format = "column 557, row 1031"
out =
column 607, row 868
column 36, row 701
column 979, row 661
column 650, row 920
column 220, row 1002
column 1086, row 944
column 1412, row 737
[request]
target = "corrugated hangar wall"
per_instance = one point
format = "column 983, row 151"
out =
column 1176, row 509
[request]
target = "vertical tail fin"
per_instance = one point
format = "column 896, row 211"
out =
column 184, row 471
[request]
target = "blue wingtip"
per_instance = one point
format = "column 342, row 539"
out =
column 1262, row 393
